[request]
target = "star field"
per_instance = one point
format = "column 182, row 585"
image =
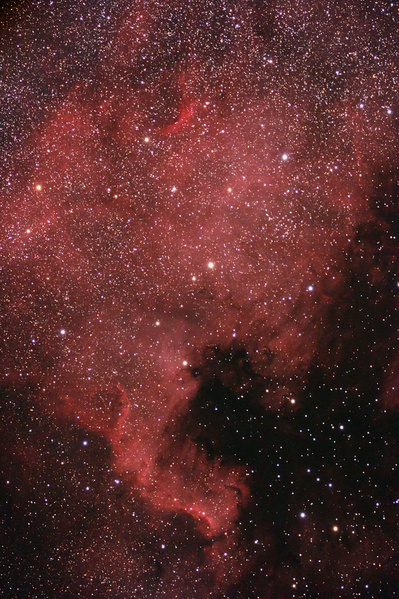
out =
column 198, row 270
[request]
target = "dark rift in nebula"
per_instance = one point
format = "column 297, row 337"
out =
column 198, row 271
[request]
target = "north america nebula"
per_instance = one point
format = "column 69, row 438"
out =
column 198, row 266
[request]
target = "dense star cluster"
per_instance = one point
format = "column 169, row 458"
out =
column 198, row 270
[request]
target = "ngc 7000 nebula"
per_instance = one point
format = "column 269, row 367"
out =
column 198, row 266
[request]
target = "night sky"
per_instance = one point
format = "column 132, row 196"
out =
column 198, row 271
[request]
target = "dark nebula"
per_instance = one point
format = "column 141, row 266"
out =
column 198, row 270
